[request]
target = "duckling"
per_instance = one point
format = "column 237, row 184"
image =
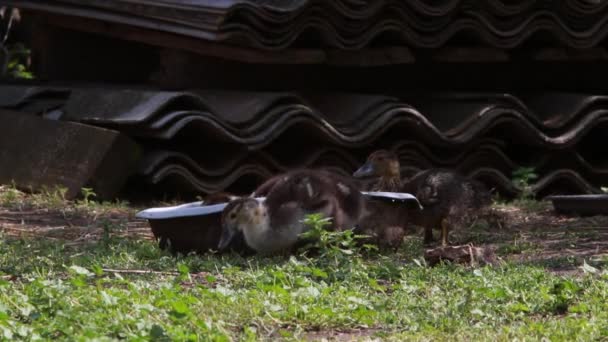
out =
column 274, row 224
column 218, row 197
column 214, row 223
column 385, row 223
column 447, row 197
column 383, row 164
column 317, row 188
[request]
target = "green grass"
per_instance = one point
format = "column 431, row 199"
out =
column 119, row 288
column 60, row 291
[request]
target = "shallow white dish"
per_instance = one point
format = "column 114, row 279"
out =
column 199, row 209
column 183, row 210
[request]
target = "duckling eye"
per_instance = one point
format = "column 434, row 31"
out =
column 232, row 216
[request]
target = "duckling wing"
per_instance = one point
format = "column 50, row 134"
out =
column 449, row 194
column 287, row 216
column 316, row 191
column 265, row 188
column 297, row 184
column 340, row 199
column 219, row 197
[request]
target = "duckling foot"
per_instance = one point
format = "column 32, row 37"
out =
column 444, row 232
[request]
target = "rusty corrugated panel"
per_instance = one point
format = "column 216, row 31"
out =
column 275, row 25
column 207, row 141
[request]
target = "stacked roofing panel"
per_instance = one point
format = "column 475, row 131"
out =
column 348, row 24
column 210, row 140
column 207, row 141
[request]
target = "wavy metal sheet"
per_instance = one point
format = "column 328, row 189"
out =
column 350, row 120
column 494, row 169
column 345, row 24
column 207, row 141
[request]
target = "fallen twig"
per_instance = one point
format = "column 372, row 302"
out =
column 199, row 274
column 139, row 271
column 466, row 254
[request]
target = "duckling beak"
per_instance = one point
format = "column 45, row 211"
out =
column 365, row 171
column 227, row 236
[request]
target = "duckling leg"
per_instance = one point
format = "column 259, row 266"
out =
column 428, row 234
column 392, row 237
column 444, row 232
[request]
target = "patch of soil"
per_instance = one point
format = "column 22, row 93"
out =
column 541, row 237
column 73, row 224
column 517, row 233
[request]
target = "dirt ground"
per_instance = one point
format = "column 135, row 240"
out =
column 72, row 225
column 533, row 233
column 530, row 234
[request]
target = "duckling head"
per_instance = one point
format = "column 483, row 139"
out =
column 381, row 163
column 242, row 215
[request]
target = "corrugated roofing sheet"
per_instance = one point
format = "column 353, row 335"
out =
column 207, row 141
column 351, row 120
column 349, row 24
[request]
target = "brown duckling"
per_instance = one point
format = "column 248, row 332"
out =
column 447, row 197
column 385, row 223
column 214, row 223
column 384, row 165
column 218, row 197
column 275, row 223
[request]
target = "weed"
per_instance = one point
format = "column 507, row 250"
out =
column 14, row 58
column 522, row 178
column 87, row 195
column 10, row 196
column 332, row 245
column 50, row 197
column 109, row 228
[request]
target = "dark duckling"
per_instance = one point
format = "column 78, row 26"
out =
column 275, row 223
column 447, row 197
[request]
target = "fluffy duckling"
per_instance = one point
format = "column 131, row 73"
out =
column 447, row 197
column 274, row 224
column 385, row 166
column 219, row 197
column 385, row 223
column 214, row 224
